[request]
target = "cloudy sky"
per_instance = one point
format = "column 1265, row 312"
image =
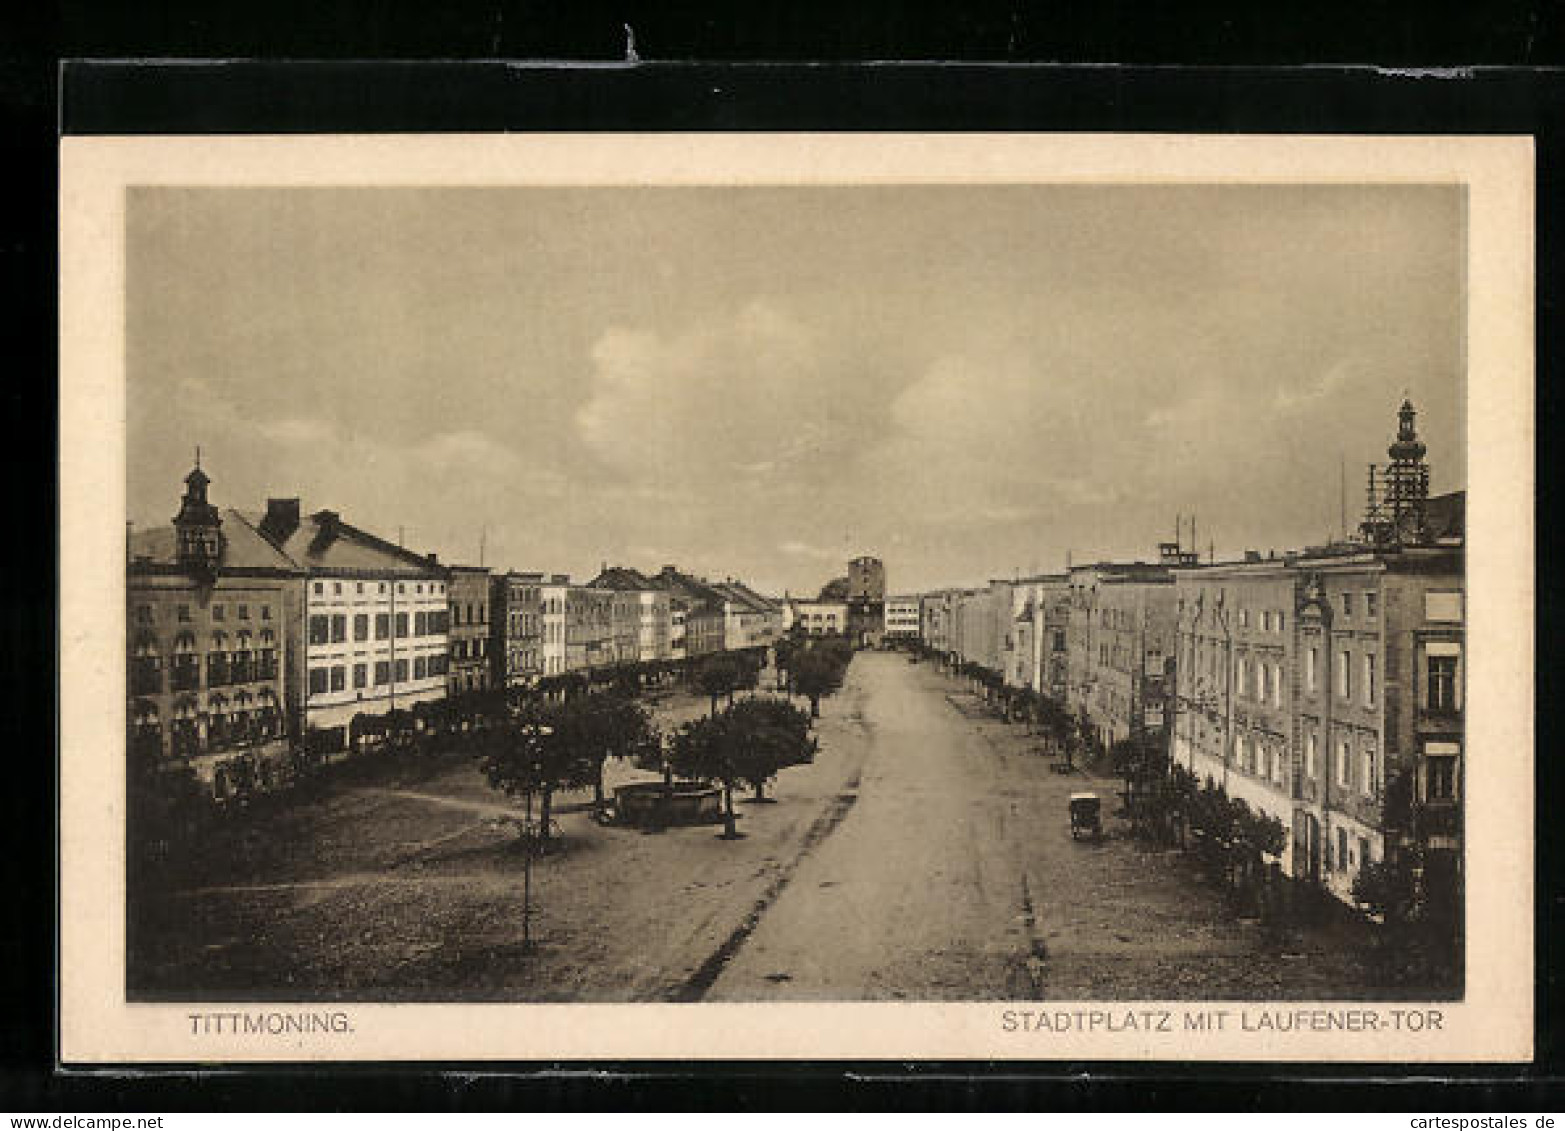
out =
column 765, row 382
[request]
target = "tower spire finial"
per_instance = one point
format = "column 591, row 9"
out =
column 198, row 457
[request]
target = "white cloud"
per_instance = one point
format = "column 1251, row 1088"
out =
column 805, row 550
column 468, row 451
column 296, row 431
column 751, row 397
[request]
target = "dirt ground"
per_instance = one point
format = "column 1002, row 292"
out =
column 925, row 855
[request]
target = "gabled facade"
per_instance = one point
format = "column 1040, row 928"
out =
column 207, row 603
column 373, row 633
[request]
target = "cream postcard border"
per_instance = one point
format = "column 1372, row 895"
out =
column 1492, row 1023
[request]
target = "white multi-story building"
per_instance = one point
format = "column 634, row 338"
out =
column 818, row 618
column 373, row 628
column 902, row 620
column 653, row 635
column 554, row 597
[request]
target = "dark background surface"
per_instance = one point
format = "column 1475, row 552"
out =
column 685, row 82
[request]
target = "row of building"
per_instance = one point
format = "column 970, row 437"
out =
column 1322, row 686
column 247, row 629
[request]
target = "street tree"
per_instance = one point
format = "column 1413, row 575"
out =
column 817, row 673
column 784, row 651
column 707, row 750
column 545, row 747
column 616, row 726
column 772, row 734
column 718, row 676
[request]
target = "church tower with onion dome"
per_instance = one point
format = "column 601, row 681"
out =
column 1397, row 496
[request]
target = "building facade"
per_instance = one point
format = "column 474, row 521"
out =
column 1381, row 642
column 469, row 601
column 516, row 629
column 1237, row 683
column 1134, row 643
column 704, row 622
column 902, row 618
column 554, row 598
column 818, row 618
column 373, row 635
column 207, row 599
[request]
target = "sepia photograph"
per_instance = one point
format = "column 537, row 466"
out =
column 1048, row 593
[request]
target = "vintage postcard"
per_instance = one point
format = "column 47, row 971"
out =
column 588, row 597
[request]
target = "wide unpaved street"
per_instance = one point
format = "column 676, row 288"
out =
column 954, row 875
column 925, row 855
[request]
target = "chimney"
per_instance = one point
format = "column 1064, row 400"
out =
column 433, row 560
column 1252, row 555
column 282, row 519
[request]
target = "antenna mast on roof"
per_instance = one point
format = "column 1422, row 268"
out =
column 1342, row 496
column 482, row 533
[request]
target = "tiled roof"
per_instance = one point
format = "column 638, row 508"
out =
column 243, row 548
column 622, row 578
column 323, row 543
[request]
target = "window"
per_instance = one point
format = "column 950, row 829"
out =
column 1244, row 675
column 1369, row 681
column 1440, row 771
column 1363, row 852
column 1280, row 617
column 218, row 612
column 318, row 681
column 184, row 613
column 1344, row 675
column 320, row 629
column 402, row 625
column 361, row 626
column 336, row 588
column 1371, row 601
column 1347, row 604
column 382, row 672
column 339, row 678
column 360, row 676
column 266, row 612
column 320, row 588
column 420, row 625
column 1311, row 748
column 1342, row 849
column 244, row 612
column 402, row 671
column 1344, row 758
column 1244, row 618
column 382, row 625
column 339, row 628
column 1369, row 772
column 420, row 667
column 1443, row 691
